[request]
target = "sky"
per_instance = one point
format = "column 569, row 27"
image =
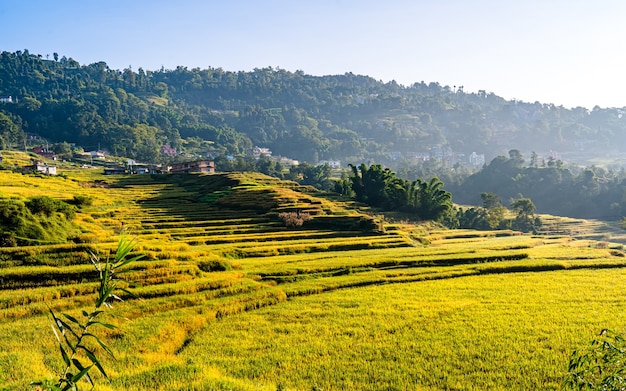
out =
column 564, row 52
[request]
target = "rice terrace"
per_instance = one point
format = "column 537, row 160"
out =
column 230, row 298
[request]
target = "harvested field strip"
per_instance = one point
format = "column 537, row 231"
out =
column 225, row 230
column 355, row 277
column 252, row 249
column 298, row 237
column 394, row 263
column 28, row 276
column 337, row 259
column 68, row 296
column 240, row 299
column 202, row 223
column 24, row 297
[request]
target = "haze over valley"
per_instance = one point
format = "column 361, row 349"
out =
column 324, row 195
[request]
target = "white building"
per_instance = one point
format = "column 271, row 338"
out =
column 476, row 159
column 44, row 168
column 331, row 163
column 257, row 152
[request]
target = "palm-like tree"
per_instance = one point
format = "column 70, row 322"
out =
column 429, row 200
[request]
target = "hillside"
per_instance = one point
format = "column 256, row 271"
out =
column 234, row 299
column 350, row 118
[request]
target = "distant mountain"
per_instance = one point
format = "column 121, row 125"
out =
column 346, row 117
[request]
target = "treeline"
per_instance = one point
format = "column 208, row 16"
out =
column 428, row 200
column 345, row 117
column 589, row 192
column 552, row 187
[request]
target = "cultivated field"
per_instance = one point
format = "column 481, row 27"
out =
column 231, row 299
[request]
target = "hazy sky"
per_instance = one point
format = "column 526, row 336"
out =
column 566, row 52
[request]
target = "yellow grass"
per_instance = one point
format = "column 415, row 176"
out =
column 417, row 307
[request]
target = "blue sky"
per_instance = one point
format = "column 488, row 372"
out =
column 566, row 52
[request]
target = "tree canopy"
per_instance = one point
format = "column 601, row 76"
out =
column 347, row 117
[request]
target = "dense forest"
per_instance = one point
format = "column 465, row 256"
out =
column 344, row 117
column 421, row 130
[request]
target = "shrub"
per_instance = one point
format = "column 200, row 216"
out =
column 600, row 365
column 294, row 219
column 47, row 206
column 7, row 239
column 79, row 201
column 42, row 205
column 214, row 266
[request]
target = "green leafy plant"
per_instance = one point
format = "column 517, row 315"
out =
column 75, row 336
column 601, row 366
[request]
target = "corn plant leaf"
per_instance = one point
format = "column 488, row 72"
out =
column 67, row 327
column 54, row 330
column 102, row 344
column 95, row 361
column 72, row 319
column 126, row 261
column 129, row 293
column 116, row 297
column 80, row 374
column 104, row 295
column 107, row 325
column 66, row 358
column 95, row 313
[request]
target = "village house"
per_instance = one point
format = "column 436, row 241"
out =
column 477, row 160
column 257, row 152
column 331, row 163
column 41, row 167
column 41, row 151
column 95, row 154
column 285, row 161
column 198, row 166
column 168, row 151
column 115, row 170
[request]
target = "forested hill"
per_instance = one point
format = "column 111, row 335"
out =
column 133, row 112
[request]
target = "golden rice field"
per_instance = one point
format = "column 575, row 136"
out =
column 233, row 300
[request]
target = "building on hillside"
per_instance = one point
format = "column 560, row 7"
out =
column 41, row 151
column 96, row 154
column 168, row 151
column 6, row 99
column 198, row 166
column 143, row 168
column 285, row 161
column 331, row 163
column 41, row 167
column 115, row 170
column 257, row 152
column 477, row 160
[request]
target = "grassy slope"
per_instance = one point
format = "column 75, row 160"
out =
column 413, row 308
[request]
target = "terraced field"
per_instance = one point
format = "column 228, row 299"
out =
column 231, row 299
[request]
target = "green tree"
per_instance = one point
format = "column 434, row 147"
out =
column 430, row 200
column 490, row 200
column 314, row 175
column 495, row 212
column 525, row 214
column 9, row 131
